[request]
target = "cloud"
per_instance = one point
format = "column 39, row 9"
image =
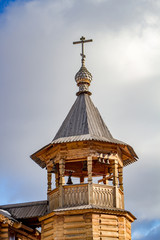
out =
column 146, row 230
column 37, row 65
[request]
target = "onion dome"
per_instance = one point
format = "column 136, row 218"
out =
column 83, row 78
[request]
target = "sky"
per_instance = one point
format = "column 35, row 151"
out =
column 38, row 63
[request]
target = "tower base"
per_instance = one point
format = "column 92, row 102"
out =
column 87, row 224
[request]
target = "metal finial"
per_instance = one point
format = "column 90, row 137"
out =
column 82, row 41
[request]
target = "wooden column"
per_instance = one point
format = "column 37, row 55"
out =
column 121, row 178
column 61, row 181
column 61, row 172
column 115, row 182
column 115, row 173
column 89, row 167
column 49, row 179
column 90, row 187
column 57, row 180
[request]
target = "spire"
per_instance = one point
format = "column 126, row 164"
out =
column 83, row 77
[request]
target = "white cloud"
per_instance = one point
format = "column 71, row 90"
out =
column 38, row 63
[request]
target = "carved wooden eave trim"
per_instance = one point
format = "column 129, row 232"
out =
column 57, row 151
column 6, row 220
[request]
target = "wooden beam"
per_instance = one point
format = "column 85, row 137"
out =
column 105, row 178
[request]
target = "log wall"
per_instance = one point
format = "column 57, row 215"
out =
column 4, row 234
column 87, row 226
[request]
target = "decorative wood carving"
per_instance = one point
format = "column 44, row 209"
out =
column 115, row 172
column 121, row 178
column 49, row 178
column 84, row 194
column 89, row 166
column 61, row 171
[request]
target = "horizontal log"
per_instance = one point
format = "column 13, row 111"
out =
column 109, row 228
column 75, row 237
column 109, row 234
column 4, row 229
column 3, row 235
column 48, row 225
column 108, row 222
column 75, row 231
column 48, row 233
column 49, row 220
column 110, row 238
column 96, row 216
column 74, row 225
column 105, row 216
column 48, row 238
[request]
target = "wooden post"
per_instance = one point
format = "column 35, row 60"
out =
column 115, row 182
column 89, row 166
column 49, row 178
column 90, row 186
column 121, row 178
column 61, row 172
column 115, row 173
column 57, row 179
column 61, row 181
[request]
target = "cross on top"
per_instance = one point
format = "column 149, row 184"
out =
column 82, row 41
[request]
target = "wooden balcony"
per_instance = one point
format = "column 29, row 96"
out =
column 85, row 194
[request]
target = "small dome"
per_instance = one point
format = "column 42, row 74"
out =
column 83, row 75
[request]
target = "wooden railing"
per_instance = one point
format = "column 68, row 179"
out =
column 75, row 195
column 103, row 195
column 120, row 199
column 53, row 198
column 85, row 194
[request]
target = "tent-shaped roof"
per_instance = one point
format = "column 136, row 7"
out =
column 84, row 122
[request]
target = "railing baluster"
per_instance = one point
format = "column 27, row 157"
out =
column 77, row 195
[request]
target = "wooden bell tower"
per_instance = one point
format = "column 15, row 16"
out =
column 90, row 204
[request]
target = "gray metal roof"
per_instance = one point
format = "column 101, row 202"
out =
column 26, row 210
column 84, row 122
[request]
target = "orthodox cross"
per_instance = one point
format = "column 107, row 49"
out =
column 82, row 41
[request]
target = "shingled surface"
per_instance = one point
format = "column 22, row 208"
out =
column 84, row 122
column 26, row 210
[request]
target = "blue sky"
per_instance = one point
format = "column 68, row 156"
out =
column 37, row 66
column 4, row 4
